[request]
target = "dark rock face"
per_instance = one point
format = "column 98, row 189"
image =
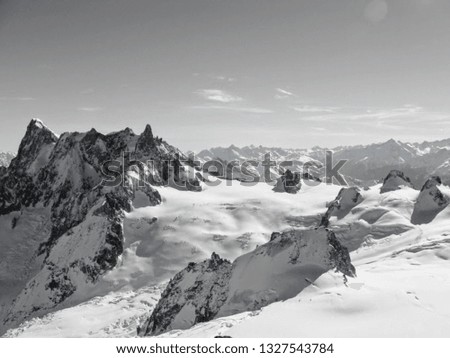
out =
column 430, row 202
column 394, row 181
column 289, row 182
column 346, row 200
column 63, row 175
column 200, row 300
column 275, row 271
column 339, row 256
column 146, row 144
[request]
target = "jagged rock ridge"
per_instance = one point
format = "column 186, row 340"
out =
column 79, row 236
column 275, row 271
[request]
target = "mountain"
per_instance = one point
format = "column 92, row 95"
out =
column 90, row 238
column 5, row 158
column 62, row 226
column 394, row 181
column 345, row 201
column 401, row 270
column 401, row 266
column 430, row 202
column 288, row 182
column 275, row 271
column 302, row 162
column 365, row 164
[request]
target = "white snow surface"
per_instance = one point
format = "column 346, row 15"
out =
column 402, row 288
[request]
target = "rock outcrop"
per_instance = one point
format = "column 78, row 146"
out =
column 430, row 202
column 194, row 295
column 289, row 182
column 275, row 271
column 395, row 180
column 346, row 200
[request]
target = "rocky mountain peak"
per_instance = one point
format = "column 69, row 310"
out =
column 430, row 202
column 394, row 181
column 60, row 179
column 147, row 131
column 289, row 182
column 346, row 200
column 146, row 142
column 433, row 181
column 275, row 271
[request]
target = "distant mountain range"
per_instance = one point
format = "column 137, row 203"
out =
column 366, row 164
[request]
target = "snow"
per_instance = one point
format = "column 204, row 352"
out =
column 401, row 289
column 230, row 219
column 115, row 315
column 276, row 272
column 40, row 124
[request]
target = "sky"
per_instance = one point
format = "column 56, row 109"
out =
column 205, row 73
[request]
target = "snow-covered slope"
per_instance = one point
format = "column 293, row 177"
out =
column 117, row 314
column 275, row 271
column 402, row 288
column 230, row 219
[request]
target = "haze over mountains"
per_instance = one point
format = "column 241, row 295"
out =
column 365, row 163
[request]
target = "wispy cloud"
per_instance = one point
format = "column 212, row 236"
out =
column 223, row 78
column 89, row 109
column 282, row 93
column 399, row 118
column 14, row 98
column 391, row 113
column 215, row 77
column 314, row 109
column 254, row 110
column 217, row 95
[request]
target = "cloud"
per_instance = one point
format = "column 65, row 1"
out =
column 217, row 95
column 7, row 98
column 314, row 109
column 254, row 110
column 392, row 113
column 89, row 109
column 223, row 78
column 282, row 93
column 406, row 117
